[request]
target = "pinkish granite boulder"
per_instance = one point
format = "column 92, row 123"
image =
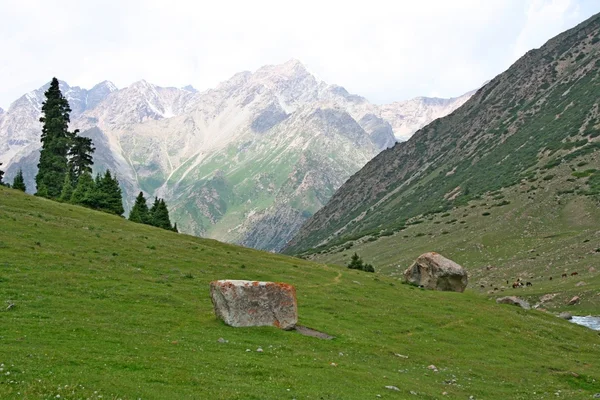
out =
column 252, row 303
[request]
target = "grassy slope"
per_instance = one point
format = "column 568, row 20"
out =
column 104, row 307
column 546, row 229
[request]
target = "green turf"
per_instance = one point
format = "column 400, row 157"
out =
column 105, row 308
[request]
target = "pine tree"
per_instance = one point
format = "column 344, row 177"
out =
column 19, row 182
column 175, row 228
column 56, row 140
column 140, row 213
column 357, row 263
column 80, row 154
column 109, row 192
column 67, row 189
column 1, row 175
column 84, row 193
column 160, row 216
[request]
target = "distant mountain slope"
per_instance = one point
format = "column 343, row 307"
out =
column 544, row 110
column 246, row 162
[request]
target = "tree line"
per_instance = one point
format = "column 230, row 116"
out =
column 65, row 169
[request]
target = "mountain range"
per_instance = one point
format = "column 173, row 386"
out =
column 246, row 162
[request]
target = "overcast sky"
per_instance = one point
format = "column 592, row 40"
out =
column 383, row 50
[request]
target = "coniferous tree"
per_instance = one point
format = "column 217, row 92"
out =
column 56, row 141
column 84, row 193
column 109, row 194
column 357, row 263
column 160, row 216
column 67, row 189
column 175, row 228
column 140, row 213
column 80, row 154
column 153, row 210
column 1, row 175
column 19, row 182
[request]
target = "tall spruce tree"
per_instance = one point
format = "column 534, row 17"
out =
column 1, row 176
column 80, row 157
column 56, row 141
column 19, row 182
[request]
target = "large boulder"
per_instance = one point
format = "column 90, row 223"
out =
column 252, row 303
column 435, row 272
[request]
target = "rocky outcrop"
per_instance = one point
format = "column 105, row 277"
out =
column 252, row 303
column 436, row 272
column 515, row 301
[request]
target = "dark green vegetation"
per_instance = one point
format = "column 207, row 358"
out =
column 1, row 175
column 94, row 305
column 357, row 263
column 157, row 216
column 19, row 182
column 56, row 143
column 540, row 114
column 65, row 168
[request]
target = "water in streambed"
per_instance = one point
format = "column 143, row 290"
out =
column 589, row 321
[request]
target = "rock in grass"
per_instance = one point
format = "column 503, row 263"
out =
column 565, row 315
column 393, row 388
column 514, row 300
column 252, row 303
column 573, row 301
column 434, row 271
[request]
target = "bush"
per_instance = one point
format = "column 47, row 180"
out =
column 357, row 263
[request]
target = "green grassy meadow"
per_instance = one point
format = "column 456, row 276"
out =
column 107, row 309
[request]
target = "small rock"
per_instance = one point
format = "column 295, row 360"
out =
column 592, row 269
column 378, row 395
column 514, row 300
column 357, row 282
column 573, row 301
column 221, row 340
column 248, row 350
column 581, row 283
column 444, row 393
column 260, row 350
column 565, row 315
column 401, row 355
column 433, row 368
column 392, row 388
column 341, row 354
column 597, row 396
column 413, row 392
column 333, row 364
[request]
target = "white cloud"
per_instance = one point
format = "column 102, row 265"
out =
column 384, row 50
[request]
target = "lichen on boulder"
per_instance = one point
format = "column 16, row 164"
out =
column 252, row 303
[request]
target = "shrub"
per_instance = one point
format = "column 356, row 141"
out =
column 357, row 263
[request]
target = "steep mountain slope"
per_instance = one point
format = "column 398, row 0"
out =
column 247, row 162
column 541, row 112
column 96, row 307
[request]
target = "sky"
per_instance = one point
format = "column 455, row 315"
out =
column 383, row 50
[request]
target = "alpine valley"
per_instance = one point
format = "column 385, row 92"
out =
column 247, row 162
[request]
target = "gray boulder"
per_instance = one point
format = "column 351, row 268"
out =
column 514, row 300
column 435, row 272
column 252, row 303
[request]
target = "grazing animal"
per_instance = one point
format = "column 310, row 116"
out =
column 574, row 273
column 563, row 276
column 550, row 278
column 517, row 284
column 529, row 284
